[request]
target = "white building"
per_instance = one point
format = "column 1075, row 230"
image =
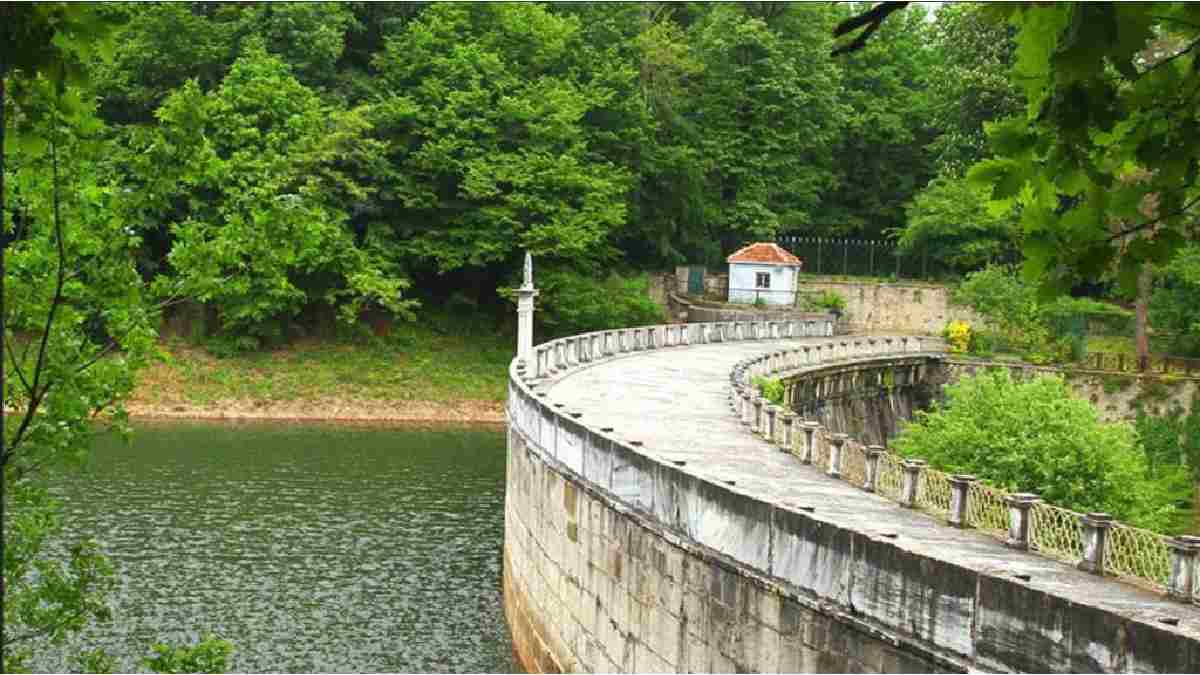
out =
column 763, row 271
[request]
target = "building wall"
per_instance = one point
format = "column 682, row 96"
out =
column 742, row 279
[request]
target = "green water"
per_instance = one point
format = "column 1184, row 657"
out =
column 312, row 548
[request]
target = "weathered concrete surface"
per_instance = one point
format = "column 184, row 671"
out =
column 620, row 558
column 867, row 400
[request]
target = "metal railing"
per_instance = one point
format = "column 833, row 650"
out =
column 1093, row 541
column 862, row 257
column 1128, row 363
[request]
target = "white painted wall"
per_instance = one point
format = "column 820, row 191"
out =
column 742, row 283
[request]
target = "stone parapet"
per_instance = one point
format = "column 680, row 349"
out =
column 621, row 556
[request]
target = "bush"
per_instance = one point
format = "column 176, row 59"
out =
column 1036, row 437
column 958, row 334
column 1173, row 306
column 570, row 303
column 771, row 389
column 829, row 301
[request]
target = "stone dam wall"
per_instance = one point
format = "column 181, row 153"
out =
column 619, row 561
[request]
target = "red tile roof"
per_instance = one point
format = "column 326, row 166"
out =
column 763, row 252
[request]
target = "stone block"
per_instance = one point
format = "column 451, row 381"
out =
column 695, row 614
column 813, row 555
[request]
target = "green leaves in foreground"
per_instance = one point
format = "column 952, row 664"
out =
column 1103, row 163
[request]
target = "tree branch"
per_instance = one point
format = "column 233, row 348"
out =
column 872, row 19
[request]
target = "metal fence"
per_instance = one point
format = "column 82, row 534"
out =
column 1128, row 363
column 862, row 257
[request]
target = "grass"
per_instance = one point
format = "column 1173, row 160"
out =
column 414, row 363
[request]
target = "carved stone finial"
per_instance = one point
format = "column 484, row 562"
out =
column 528, row 269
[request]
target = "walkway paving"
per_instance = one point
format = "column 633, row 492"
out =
column 674, row 401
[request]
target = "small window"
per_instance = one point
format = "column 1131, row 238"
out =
column 762, row 280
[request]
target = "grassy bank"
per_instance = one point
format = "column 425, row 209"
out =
column 413, row 374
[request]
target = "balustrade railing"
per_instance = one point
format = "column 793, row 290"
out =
column 1093, row 542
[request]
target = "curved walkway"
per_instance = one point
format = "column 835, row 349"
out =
column 674, row 401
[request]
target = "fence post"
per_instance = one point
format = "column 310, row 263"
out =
column 960, row 488
column 873, row 453
column 772, row 410
column 912, row 482
column 756, row 423
column 836, row 441
column 810, row 430
column 1183, row 567
column 747, row 406
column 1019, row 505
column 1095, row 536
column 788, row 418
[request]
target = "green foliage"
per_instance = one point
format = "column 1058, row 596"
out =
column 487, row 138
column 828, row 301
column 1009, row 306
column 969, row 84
column 276, row 169
column 949, row 218
column 1173, row 306
column 770, row 388
column 1102, row 163
column 879, row 156
column 209, row 655
column 1036, row 437
column 570, row 302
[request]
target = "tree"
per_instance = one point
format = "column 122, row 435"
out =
column 766, row 111
column 1036, row 437
column 950, row 219
column 486, row 119
column 73, row 323
column 879, row 155
column 252, row 186
column 1109, row 130
column 1173, row 308
column 969, row 83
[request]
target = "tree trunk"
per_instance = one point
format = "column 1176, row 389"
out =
column 1141, row 338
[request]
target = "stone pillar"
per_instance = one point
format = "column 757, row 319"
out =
column 810, row 447
column 772, row 412
column 525, row 295
column 756, row 424
column 1094, row 528
column 912, row 482
column 747, row 407
column 787, row 418
column 1183, row 567
column 960, row 488
column 836, row 441
column 873, row 453
column 1019, row 505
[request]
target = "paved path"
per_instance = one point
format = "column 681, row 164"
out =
column 674, row 401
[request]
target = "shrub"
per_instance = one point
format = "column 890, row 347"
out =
column 571, row 302
column 1036, row 437
column 829, row 301
column 771, row 389
column 958, row 334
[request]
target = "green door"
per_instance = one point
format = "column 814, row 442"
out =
column 695, row 280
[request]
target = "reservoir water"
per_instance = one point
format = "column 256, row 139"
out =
column 313, row 548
